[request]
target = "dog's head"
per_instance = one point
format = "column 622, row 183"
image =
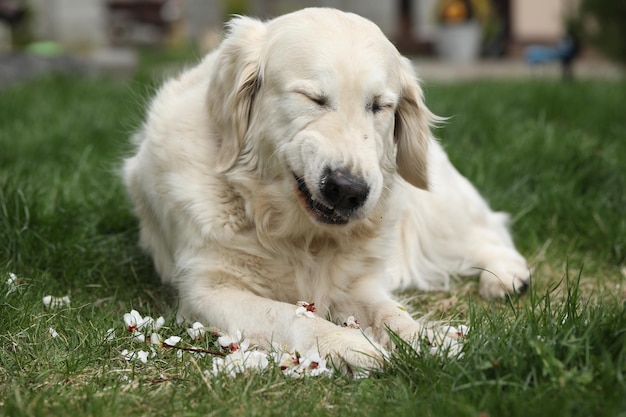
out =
column 322, row 104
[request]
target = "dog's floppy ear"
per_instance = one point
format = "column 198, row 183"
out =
column 412, row 129
column 235, row 79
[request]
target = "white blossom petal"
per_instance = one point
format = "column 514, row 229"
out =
column 12, row 283
column 352, row 323
column 142, row 356
column 225, row 341
column 159, row 323
column 109, row 335
column 303, row 312
column 126, row 354
column 196, row 331
column 155, row 339
column 53, row 333
column 464, row 330
column 172, row 340
column 145, row 323
column 244, row 345
column 132, row 320
column 56, row 302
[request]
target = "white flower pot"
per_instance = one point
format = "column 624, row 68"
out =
column 459, row 42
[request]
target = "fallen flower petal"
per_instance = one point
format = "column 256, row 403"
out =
column 303, row 312
column 56, row 302
column 126, row 354
column 132, row 320
column 158, row 324
column 109, row 335
column 172, row 340
column 145, row 323
column 463, row 330
column 352, row 323
column 196, row 331
column 309, row 306
column 155, row 339
column 142, row 356
column 12, row 283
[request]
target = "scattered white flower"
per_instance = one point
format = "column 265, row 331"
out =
column 172, row 340
column 56, row 302
column 146, row 323
column 239, row 357
column 314, row 364
column 12, row 283
column 128, row 355
column 233, row 343
column 446, row 346
column 158, row 324
column 284, row 360
column 456, row 332
column 53, row 333
column 142, row 355
column 109, row 335
column 463, row 330
column 155, row 339
column 352, row 323
column 305, row 309
column 239, row 362
column 311, row 364
column 134, row 322
column 196, row 331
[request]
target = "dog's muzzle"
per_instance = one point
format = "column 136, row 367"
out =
column 341, row 194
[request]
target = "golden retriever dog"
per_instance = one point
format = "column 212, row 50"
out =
column 296, row 163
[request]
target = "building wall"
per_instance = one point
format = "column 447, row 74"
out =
column 77, row 24
column 539, row 20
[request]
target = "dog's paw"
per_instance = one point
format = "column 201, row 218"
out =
column 351, row 351
column 445, row 341
column 504, row 278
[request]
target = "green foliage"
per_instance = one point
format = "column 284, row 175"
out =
column 602, row 23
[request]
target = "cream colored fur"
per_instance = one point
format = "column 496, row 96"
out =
column 213, row 185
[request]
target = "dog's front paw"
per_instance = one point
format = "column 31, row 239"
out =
column 351, row 351
column 446, row 341
column 504, row 278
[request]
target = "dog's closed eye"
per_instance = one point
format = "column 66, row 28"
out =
column 378, row 105
column 316, row 97
column 320, row 101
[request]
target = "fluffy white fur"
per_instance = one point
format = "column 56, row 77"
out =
column 280, row 104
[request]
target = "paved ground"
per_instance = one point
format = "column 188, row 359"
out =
column 440, row 71
column 17, row 67
column 121, row 64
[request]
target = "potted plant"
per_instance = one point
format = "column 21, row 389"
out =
column 460, row 28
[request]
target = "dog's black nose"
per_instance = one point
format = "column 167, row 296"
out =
column 343, row 190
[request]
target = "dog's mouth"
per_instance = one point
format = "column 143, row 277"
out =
column 321, row 211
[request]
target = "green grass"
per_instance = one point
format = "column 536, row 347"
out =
column 553, row 155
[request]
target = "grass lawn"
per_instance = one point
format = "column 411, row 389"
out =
column 552, row 155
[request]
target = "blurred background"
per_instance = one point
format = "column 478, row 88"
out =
column 449, row 39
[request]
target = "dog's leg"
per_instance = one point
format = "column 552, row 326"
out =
column 264, row 321
column 451, row 230
column 375, row 308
